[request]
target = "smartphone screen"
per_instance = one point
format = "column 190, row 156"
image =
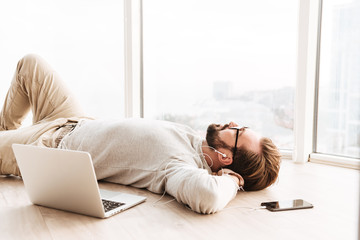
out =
column 287, row 205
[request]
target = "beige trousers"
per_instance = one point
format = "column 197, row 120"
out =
column 36, row 87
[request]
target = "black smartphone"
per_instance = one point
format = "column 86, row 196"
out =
column 287, row 205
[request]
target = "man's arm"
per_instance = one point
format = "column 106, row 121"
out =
column 236, row 177
column 202, row 192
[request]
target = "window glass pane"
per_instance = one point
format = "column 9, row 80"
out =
column 338, row 130
column 209, row 61
column 82, row 40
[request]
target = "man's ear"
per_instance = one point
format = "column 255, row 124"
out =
column 224, row 157
column 227, row 160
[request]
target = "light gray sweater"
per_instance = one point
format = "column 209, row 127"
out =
column 156, row 155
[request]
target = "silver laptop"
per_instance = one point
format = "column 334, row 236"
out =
column 65, row 180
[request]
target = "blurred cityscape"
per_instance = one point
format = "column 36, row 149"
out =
column 269, row 112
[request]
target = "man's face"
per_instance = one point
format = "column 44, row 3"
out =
column 222, row 136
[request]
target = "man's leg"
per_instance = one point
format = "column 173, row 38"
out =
column 38, row 87
column 38, row 134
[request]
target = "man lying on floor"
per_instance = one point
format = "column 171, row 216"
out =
column 157, row 155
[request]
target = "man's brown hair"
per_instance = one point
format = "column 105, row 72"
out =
column 259, row 170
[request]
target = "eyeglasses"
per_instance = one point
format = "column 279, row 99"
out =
column 238, row 129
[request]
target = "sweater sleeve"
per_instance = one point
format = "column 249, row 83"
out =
column 201, row 191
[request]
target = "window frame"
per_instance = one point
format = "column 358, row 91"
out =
column 307, row 89
column 133, row 87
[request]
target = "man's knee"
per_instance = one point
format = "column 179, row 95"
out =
column 29, row 59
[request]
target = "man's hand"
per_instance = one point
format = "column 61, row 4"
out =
column 237, row 177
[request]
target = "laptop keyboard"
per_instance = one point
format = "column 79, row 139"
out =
column 110, row 205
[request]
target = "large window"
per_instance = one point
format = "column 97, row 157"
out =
column 217, row 61
column 83, row 40
column 338, row 126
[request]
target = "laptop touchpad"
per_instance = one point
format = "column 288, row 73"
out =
column 108, row 194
